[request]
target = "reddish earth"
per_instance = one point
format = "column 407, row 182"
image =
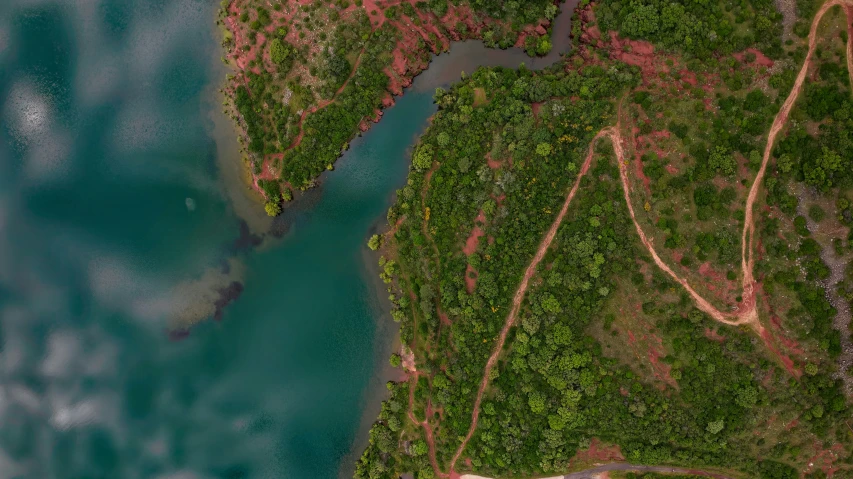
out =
column 688, row 77
column 519, row 297
column 713, row 335
column 768, row 338
column 442, row 316
column 633, row 52
column 470, row 282
column 535, row 107
column 760, row 59
column 823, row 459
column 746, row 313
column 790, row 344
column 493, row 163
column 671, row 169
column 638, row 163
column 597, row 453
column 401, row 72
column 476, row 233
column 661, row 370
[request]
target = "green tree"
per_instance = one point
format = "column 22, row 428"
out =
column 543, row 46
column 375, row 242
column 543, row 149
column 419, row 448
column 423, row 157
column 280, row 53
column 395, row 360
column 722, row 161
column 715, row 427
column 273, row 206
column 643, row 21
column 536, row 401
column 817, row 411
column 443, row 139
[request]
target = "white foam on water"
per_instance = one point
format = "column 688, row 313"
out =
column 28, row 111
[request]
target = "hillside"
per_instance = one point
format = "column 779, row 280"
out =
column 640, row 254
column 310, row 75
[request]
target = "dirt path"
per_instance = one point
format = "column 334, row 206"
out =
column 746, row 314
column 616, row 138
column 519, row 297
column 747, row 249
column 430, row 438
column 322, row 104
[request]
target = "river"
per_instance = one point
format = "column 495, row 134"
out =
column 122, row 207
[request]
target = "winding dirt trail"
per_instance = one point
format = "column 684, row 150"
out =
column 430, row 439
column 322, row 104
column 727, row 318
column 746, row 313
column 748, row 237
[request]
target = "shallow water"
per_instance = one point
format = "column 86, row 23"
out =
column 121, row 207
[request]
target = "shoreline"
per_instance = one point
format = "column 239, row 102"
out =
column 226, row 133
column 445, row 67
column 397, row 87
column 387, row 338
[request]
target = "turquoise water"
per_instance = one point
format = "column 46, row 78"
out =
column 121, row 209
column 114, row 218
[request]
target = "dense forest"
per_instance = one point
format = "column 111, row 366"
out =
column 310, row 77
column 609, row 358
column 642, row 253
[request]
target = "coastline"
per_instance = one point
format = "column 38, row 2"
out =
column 387, row 339
column 445, row 67
column 387, row 335
column 399, row 82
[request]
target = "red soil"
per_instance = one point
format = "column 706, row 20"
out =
column 638, row 170
column 493, row 163
column 713, row 335
column 823, row 459
column 474, row 238
column 633, row 52
column 519, row 297
column 768, row 338
column 671, row 169
column 597, row 453
column 760, row 59
column 706, row 270
column 792, row 345
column 688, row 77
column 442, row 315
column 661, row 370
column 536, row 107
column 470, row 283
